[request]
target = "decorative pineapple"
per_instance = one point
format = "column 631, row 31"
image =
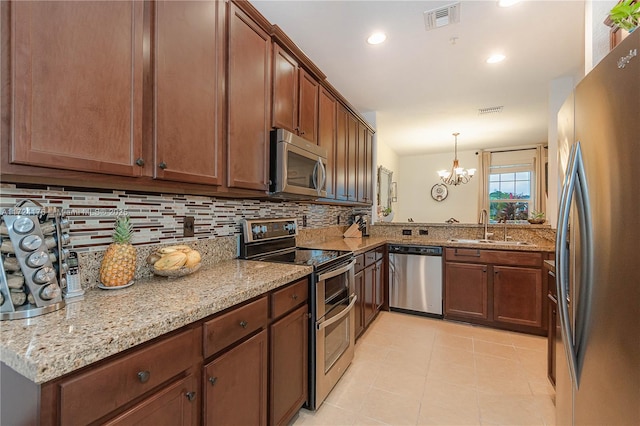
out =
column 119, row 263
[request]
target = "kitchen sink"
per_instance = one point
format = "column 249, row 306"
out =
column 490, row 242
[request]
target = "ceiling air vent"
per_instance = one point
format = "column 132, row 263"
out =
column 490, row 110
column 436, row 18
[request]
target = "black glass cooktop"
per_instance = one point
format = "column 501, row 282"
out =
column 311, row 257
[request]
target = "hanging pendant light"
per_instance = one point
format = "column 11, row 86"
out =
column 457, row 175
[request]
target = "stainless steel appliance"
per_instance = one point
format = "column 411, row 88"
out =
column 34, row 266
column 597, row 268
column 415, row 279
column 297, row 167
column 332, row 298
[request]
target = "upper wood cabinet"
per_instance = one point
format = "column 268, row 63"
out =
column 189, row 103
column 364, row 176
column 327, row 117
column 249, row 106
column 352, row 158
column 295, row 96
column 76, row 85
column 341, row 154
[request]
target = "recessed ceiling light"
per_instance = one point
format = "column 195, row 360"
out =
column 494, row 59
column 376, row 38
column 507, row 3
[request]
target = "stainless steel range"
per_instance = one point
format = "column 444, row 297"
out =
column 332, row 298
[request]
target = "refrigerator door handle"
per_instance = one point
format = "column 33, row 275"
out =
column 574, row 340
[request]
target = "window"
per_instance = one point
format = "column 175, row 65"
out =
column 511, row 186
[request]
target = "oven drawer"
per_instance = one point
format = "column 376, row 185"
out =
column 99, row 391
column 226, row 329
column 282, row 301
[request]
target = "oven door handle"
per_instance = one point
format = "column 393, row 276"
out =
column 340, row 316
column 337, row 272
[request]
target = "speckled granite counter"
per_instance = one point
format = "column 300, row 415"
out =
column 360, row 245
column 107, row 322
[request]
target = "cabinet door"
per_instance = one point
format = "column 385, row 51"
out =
column 77, row 87
column 285, row 90
column 327, row 135
column 359, row 306
column 248, row 91
column 176, row 404
column 361, row 168
column 369, row 177
column 342, row 148
column 308, row 107
column 352, row 157
column 235, row 385
column 379, row 284
column 189, row 107
column 289, row 365
column 369, row 294
column 466, row 291
column 517, row 295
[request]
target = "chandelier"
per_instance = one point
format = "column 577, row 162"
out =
column 457, row 175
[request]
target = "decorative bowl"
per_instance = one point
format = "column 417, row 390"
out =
column 536, row 221
column 176, row 273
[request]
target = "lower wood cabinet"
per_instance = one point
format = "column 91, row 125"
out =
column 289, row 339
column 235, row 385
column 501, row 289
column 358, row 307
column 369, row 287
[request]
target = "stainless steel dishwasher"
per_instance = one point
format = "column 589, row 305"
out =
column 415, row 279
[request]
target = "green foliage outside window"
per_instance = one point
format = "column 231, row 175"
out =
column 506, row 206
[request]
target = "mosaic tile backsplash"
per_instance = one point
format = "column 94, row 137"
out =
column 159, row 218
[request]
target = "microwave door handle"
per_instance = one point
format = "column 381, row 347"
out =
column 340, row 316
column 324, row 176
column 315, row 176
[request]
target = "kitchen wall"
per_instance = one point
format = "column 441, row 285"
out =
column 596, row 32
column 417, row 175
column 158, row 218
column 387, row 158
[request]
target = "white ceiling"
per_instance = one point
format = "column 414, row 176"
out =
column 422, row 86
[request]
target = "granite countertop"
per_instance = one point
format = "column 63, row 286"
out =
column 107, row 322
column 360, row 245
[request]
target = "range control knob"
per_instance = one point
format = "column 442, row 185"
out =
column 38, row 259
column 291, row 227
column 263, row 228
column 23, row 225
column 49, row 292
column 256, row 229
column 44, row 275
column 30, row 242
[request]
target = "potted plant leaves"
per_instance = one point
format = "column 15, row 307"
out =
column 626, row 14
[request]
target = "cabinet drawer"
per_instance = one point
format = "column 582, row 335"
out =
column 282, row 301
column 359, row 263
column 500, row 257
column 369, row 258
column 92, row 395
column 226, row 329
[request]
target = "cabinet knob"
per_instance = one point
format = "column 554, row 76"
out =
column 162, row 165
column 301, row 132
column 140, row 162
column 144, row 376
column 190, row 396
column 212, row 380
column 243, row 324
column 294, row 296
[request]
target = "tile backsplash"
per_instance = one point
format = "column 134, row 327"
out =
column 159, row 218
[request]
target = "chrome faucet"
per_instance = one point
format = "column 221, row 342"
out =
column 485, row 221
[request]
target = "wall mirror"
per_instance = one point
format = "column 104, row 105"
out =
column 384, row 188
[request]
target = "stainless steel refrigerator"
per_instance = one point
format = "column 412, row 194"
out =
column 598, row 245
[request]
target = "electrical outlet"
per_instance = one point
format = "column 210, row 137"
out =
column 304, row 221
column 406, row 232
column 423, row 232
column 338, row 220
column 188, row 229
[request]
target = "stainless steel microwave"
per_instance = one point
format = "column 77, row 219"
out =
column 298, row 168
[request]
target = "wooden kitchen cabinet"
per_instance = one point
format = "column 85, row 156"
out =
column 371, row 286
column 327, row 125
column 341, row 154
column 352, row 158
column 379, row 287
column 189, row 88
column 235, row 384
column 497, row 288
column 77, row 87
column 358, row 308
column 466, row 291
column 295, row 96
column 364, row 176
column 249, row 102
column 289, row 365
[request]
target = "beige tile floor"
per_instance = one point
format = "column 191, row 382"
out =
column 410, row 370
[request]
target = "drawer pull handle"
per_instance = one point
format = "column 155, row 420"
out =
column 213, row 380
column 190, row 396
column 243, row 324
column 144, row 376
column 294, row 296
